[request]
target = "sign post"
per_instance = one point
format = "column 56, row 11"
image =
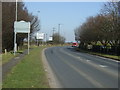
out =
column 28, row 43
column 21, row 27
column 40, row 36
column 15, row 44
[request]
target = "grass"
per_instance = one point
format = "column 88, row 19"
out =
column 110, row 56
column 105, row 55
column 29, row 73
column 100, row 54
column 7, row 57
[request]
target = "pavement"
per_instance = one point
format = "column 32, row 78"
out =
column 74, row 69
column 6, row 68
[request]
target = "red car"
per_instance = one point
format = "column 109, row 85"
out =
column 74, row 44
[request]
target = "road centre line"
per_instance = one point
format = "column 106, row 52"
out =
column 103, row 66
column 88, row 60
column 104, row 58
column 108, row 71
column 92, row 80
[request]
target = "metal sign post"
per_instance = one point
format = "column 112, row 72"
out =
column 28, row 43
column 15, row 44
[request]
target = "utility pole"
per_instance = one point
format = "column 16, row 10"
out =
column 59, row 29
column 46, row 37
column 53, row 34
column 59, row 33
column 53, row 30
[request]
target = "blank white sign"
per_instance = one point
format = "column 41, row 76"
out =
column 50, row 38
column 40, row 36
column 21, row 27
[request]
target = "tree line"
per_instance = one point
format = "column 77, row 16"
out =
column 57, row 39
column 8, row 18
column 104, row 27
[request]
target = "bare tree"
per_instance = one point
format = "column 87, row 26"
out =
column 110, row 10
column 104, row 26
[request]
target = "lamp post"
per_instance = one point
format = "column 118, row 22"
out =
column 46, row 37
column 16, row 10
column 15, row 44
column 37, row 39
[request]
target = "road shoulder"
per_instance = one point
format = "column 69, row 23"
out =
column 53, row 82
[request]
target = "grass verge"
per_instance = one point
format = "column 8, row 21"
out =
column 29, row 73
column 100, row 54
column 106, row 55
column 7, row 57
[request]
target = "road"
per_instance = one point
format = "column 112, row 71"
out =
column 81, row 70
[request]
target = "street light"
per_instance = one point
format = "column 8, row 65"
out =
column 46, row 37
column 15, row 44
column 39, row 29
column 16, row 10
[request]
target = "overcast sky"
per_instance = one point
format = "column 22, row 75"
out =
column 69, row 14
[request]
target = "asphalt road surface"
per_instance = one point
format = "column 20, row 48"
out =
column 81, row 70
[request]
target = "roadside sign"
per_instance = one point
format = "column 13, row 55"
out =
column 50, row 38
column 40, row 36
column 21, row 27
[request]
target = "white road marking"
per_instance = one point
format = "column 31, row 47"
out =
column 117, row 61
column 97, row 66
column 103, row 66
column 79, row 58
column 87, row 60
column 91, row 79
